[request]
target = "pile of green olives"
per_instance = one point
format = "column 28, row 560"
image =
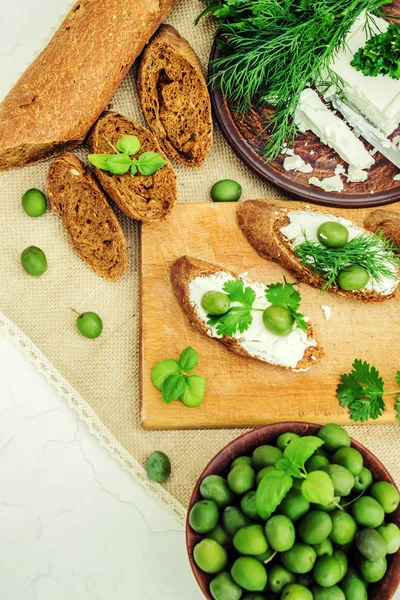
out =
column 335, row 235
column 303, row 551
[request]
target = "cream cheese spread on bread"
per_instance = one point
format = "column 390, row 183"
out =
column 286, row 351
column 304, row 224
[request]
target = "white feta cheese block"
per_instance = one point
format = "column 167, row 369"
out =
column 378, row 98
column 312, row 114
column 284, row 351
column 304, row 225
column 329, row 184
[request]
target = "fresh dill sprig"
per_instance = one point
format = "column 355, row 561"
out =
column 276, row 49
column 373, row 252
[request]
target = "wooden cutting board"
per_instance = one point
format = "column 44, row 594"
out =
column 242, row 392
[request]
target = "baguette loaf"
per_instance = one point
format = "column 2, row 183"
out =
column 387, row 221
column 261, row 222
column 142, row 197
column 91, row 224
column 185, row 270
column 174, row 97
column 59, row 97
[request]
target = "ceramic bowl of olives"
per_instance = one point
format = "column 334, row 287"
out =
column 295, row 511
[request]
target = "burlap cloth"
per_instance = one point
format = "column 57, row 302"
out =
column 100, row 379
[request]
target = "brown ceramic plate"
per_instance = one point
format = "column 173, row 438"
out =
column 244, row 445
column 245, row 134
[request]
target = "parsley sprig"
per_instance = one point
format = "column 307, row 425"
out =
column 381, row 54
column 239, row 318
column 121, row 162
column 362, row 392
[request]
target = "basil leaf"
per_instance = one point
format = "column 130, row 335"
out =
column 129, row 144
column 173, row 388
column 134, row 167
column 188, row 359
column 194, row 391
column 99, row 160
column 118, row 163
column 318, row 488
column 286, row 465
column 149, row 162
column 271, row 490
column 162, row 370
column 301, row 449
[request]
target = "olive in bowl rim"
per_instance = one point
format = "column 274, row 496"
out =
column 268, row 434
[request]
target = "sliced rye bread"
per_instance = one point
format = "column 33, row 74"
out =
column 61, row 94
column 92, row 227
column 174, row 97
column 261, row 222
column 386, row 221
column 143, row 197
column 187, row 268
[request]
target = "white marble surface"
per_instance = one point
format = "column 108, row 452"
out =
column 73, row 524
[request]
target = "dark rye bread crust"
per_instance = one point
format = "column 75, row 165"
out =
column 91, row 225
column 387, row 221
column 184, row 270
column 143, row 197
column 261, row 222
column 174, row 97
column 59, row 97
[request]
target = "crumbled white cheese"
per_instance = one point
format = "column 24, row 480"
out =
column 327, row 311
column 329, row 184
column 396, row 140
column 355, row 174
column 396, row 177
column 378, row 98
column 373, row 151
column 296, row 163
column 286, row 351
column 304, row 224
column 340, row 170
column 288, row 151
column 312, row 114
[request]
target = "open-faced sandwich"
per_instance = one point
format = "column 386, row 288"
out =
column 251, row 319
column 326, row 251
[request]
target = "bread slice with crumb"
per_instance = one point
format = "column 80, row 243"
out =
column 174, row 97
column 386, row 221
column 261, row 221
column 91, row 225
column 143, row 197
column 186, row 269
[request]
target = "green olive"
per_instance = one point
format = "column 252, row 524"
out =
column 33, row 261
column 278, row 320
column 34, row 203
column 249, row 573
column 391, row 533
column 89, row 325
column 158, row 467
column 371, row 544
column 226, row 190
column 372, row 571
column 209, row 556
column 222, row 587
column 215, row 487
column 386, row 494
column 215, row 303
column 353, row 278
column 332, row 234
column 204, row 516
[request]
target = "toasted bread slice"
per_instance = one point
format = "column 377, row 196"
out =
column 174, row 97
column 186, row 269
column 261, row 222
column 387, row 221
column 92, row 227
column 143, row 197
